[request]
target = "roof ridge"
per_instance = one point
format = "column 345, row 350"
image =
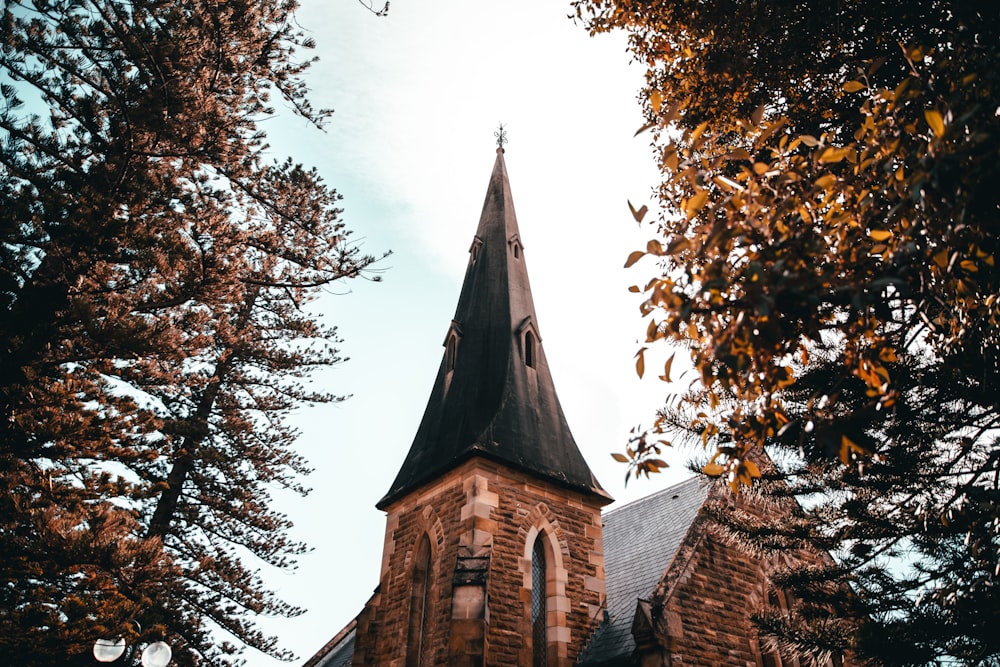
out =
column 655, row 494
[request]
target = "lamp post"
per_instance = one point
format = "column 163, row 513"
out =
column 157, row 654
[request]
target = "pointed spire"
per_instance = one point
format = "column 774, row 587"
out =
column 494, row 396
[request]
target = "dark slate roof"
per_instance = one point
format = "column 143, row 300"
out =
column 640, row 540
column 493, row 405
column 338, row 652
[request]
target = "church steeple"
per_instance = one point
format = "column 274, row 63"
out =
column 494, row 396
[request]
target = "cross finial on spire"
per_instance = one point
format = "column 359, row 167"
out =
column 501, row 136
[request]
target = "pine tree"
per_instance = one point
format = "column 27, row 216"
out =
column 828, row 255
column 155, row 280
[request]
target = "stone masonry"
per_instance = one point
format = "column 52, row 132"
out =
column 482, row 519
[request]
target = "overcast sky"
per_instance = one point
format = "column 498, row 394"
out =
column 417, row 97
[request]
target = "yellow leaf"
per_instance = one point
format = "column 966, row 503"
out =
column 968, row 265
column 880, row 235
column 853, row 86
column 845, row 450
column 789, row 378
column 739, row 154
column 640, row 362
column 752, row 469
column 849, row 447
column 935, row 120
column 696, row 203
column 656, row 101
column 825, row 181
column 643, row 129
column 666, row 368
column 888, row 355
column 670, row 159
column 639, row 213
column 621, row 458
column 652, row 332
column 713, row 469
column 833, row 154
column 633, row 258
column 698, row 131
column 941, row 257
column 809, row 140
column 678, row 244
column 760, row 168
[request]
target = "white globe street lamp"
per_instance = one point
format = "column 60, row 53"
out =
column 109, row 650
column 157, row 654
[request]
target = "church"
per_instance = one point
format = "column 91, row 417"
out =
column 497, row 551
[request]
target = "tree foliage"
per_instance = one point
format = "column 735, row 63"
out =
column 155, row 275
column 828, row 254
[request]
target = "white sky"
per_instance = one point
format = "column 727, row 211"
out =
column 418, row 96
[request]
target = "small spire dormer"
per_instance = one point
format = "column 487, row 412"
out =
column 494, row 396
column 514, row 242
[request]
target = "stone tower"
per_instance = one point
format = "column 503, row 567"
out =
column 493, row 552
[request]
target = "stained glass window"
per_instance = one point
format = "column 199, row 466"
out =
column 538, row 620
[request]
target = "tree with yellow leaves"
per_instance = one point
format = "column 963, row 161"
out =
column 827, row 251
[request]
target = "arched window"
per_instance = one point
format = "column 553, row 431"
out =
column 529, row 349
column 419, row 607
column 539, row 623
column 515, row 246
column 477, row 243
column 450, row 352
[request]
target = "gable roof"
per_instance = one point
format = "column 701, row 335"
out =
column 494, row 396
column 640, row 542
column 339, row 651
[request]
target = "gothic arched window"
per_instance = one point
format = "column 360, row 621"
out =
column 419, row 607
column 539, row 623
column 515, row 246
column 477, row 243
column 450, row 352
column 529, row 349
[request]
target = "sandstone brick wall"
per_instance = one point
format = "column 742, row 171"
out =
column 704, row 602
column 482, row 519
column 707, row 611
column 575, row 593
